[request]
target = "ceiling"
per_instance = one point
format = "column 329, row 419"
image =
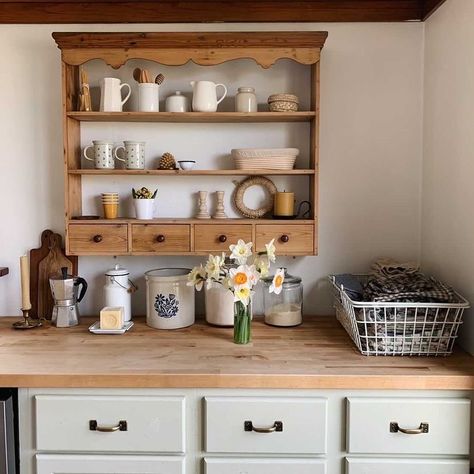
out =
column 210, row 11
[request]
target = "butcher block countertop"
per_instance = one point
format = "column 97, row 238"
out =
column 317, row 355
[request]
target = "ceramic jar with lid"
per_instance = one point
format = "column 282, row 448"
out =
column 285, row 309
column 246, row 100
column 118, row 290
column 177, row 103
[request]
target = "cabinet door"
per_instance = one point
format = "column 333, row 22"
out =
column 264, row 466
column 90, row 464
column 406, row 466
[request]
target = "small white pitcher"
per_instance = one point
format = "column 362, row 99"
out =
column 134, row 155
column 111, row 94
column 205, row 96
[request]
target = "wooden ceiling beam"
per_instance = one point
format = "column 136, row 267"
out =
column 198, row 11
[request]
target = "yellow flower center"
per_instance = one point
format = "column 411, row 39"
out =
column 278, row 281
column 240, row 278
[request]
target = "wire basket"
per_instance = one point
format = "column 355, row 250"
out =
column 402, row 329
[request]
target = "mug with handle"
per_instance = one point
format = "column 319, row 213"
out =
column 103, row 158
column 111, row 94
column 134, row 155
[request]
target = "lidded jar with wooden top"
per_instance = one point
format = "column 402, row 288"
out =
column 285, row 309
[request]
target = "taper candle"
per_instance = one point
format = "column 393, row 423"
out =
column 25, row 283
column 284, row 204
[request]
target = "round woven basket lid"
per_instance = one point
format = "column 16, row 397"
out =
column 283, row 97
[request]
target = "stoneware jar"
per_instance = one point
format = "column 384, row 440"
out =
column 246, row 100
column 177, row 103
column 170, row 301
column 219, row 303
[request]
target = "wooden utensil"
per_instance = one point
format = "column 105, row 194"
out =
column 137, row 72
column 147, row 77
column 159, row 79
column 44, row 261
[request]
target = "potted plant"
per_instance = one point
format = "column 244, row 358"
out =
column 144, row 202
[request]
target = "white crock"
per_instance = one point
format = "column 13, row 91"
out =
column 170, row 301
column 219, row 305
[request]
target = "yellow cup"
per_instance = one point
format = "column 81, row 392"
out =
column 110, row 210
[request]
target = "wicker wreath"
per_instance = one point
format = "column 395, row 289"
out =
column 240, row 191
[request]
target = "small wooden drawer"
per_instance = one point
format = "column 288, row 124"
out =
column 405, row 466
column 97, row 239
column 264, row 466
column 74, row 423
column 295, row 425
column 106, row 464
column 215, row 238
column 374, row 426
column 161, row 238
column 289, row 238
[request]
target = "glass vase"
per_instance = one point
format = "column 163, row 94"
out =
column 242, row 320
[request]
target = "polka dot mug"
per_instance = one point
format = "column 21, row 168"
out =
column 103, row 154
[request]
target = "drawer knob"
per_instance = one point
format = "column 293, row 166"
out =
column 222, row 238
column 284, row 238
column 121, row 426
column 277, row 426
column 160, row 238
column 423, row 428
column 97, row 238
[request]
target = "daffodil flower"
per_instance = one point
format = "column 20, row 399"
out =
column 213, row 267
column 270, row 250
column 277, row 283
column 242, row 294
column 196, row 277
column 241, row 251
column 240, row 276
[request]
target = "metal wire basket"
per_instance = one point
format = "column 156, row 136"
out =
column 389, row 329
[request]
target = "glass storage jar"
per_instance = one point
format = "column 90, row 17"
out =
column 285, row 309
column 246, row 100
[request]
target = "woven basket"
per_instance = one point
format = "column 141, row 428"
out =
column 283, row 103
column 275, row 163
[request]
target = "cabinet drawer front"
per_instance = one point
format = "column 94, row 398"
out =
column 154, row 424
column 405, row 466
column 369, row 422
column 208, row 238
column 95, row 464
column 97, row 238
column 264, row 466
column 303, row 425
column 161, row 238
column 289, row 239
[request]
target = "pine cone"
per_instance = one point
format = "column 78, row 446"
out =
column 167, row 162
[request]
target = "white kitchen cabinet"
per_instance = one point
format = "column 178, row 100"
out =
column 406, row 466
column 284, row 425
column 264, row 466
column 433, row 426
column 109, row 464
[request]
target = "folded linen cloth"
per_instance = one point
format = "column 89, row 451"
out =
column 351, row 285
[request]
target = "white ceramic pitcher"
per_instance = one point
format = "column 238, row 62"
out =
column 205, row 96
column 111, row 94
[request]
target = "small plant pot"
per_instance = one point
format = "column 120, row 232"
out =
column 144, row 208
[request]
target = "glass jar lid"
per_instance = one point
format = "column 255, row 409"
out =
column 246, row 89
column 289, row 281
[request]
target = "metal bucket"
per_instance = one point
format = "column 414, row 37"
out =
column 170, row 301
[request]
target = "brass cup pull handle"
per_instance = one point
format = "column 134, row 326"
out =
column 277, row 426
column 97, row 238
column 121, row 426
column 423, row 428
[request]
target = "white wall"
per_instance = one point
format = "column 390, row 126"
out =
column 371, row 148
column 448, row 163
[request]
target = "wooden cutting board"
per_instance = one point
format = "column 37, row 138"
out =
column 45, row 261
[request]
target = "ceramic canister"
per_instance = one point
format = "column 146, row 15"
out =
column 170, row 301
column 118, row 289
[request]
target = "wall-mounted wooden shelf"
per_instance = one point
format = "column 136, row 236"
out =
column 194, row 117
column 265, row 172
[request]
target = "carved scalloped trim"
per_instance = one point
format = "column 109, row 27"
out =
column 265, row 57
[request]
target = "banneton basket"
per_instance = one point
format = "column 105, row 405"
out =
column 283, row 103
column 403, row 329
column 265, row 158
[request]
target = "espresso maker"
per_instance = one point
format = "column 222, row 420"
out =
column 65, row 289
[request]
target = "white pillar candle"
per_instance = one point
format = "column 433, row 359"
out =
column 25, row 283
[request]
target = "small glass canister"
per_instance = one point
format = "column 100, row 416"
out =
column 285, row 309
column 246, row 100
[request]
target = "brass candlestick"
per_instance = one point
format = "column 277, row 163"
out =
column 27, row 322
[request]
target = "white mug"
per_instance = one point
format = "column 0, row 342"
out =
column 134, row 155
column 111, row 94
column 148, row 97
column 103, row 158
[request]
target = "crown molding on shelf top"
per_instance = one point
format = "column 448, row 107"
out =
column 211, row 11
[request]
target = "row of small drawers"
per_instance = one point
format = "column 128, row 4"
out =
column 68, row 464
column 294, row 425
column 168, row 238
